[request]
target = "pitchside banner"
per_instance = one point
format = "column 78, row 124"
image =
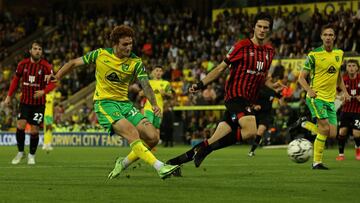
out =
column 68, row 139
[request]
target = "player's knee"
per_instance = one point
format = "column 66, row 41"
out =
column 324, row 129
column 153, row 138
column 248, row 133
column 21, row 125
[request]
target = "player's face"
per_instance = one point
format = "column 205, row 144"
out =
column 352, row 68
column 35, row 52
column 157, row 73
column 262, row 28
column 328, row 37
column 124, row 47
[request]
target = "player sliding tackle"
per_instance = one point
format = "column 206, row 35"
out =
column 116, row 68
column 248, row 61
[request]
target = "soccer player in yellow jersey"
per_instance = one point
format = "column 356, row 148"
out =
column 116, row 68
column 323, row 65
column 162, row 89
column 48, row 120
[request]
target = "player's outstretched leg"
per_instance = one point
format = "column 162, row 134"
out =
column 201, row 153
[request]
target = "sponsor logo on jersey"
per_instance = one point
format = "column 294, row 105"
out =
column 113, row 77
column 31, row 78
column 331, row 70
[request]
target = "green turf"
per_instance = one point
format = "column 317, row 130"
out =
column 78, row 174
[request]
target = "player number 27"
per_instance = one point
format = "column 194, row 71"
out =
column 38, row 117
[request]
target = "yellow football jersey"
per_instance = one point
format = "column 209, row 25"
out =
column 324, row 68
column 157, row 86
column 49, row 105
column 114, row 75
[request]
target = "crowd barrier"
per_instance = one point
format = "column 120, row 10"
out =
column 69, row 139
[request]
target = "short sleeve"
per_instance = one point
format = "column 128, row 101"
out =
column 90, row 57
column 309, row 63
column 234, row 54
column 140, row 71
column 19, row 69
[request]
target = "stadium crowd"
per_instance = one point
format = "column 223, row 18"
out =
column 184, row 43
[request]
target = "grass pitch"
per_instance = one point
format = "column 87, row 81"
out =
column 78, row 174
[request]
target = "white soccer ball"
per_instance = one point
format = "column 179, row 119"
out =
column 299, row 150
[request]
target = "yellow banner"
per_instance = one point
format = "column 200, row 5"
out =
column 326, row 7
column 296, row 65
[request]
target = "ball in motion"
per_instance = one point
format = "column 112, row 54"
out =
column 299, row 150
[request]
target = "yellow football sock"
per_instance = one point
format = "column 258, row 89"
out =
column 132, row 157
column 319, row 146
column 142, row 152
column 47, row 136
column 311, row 127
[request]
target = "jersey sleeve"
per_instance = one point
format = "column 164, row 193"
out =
column 140, row 71
column 19, row 70
column 234, row 54
column 90, row 57
column 168, row 87
column 309, row 63
column 49, row 69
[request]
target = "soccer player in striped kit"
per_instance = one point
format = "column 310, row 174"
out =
column 248, row 61
column 33, row 72
column 350, row 111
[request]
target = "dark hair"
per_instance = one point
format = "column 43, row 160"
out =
column 263, row 16
column 353, row 61
column 35, row 42
column 158, row 66
column 120, row 32
column 328, row 26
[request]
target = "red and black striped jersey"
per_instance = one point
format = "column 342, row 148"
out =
column 353, row 88
column 32, row 79
column 249, row 65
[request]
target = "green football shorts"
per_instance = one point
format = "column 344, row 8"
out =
column 322, row 109
column 155, row 120
column 109, row 111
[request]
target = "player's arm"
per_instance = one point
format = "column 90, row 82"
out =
column 14, row 84
column 69, row 66
column 147, row 90
column 304, row 84
column 149, row 94
column 276, row 86
column 309, row 64
column 214, row 74
column 341, row 85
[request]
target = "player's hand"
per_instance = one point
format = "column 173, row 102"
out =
column 193, row 88
column 278, row 86
column 358, row 98
column 50, row 78
column 257, row 107
column 39, row 93
column 347, row 97
column 156, row 111
column 312, row 94
column 196, row 87
column 7, row 101
column 162, row 92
